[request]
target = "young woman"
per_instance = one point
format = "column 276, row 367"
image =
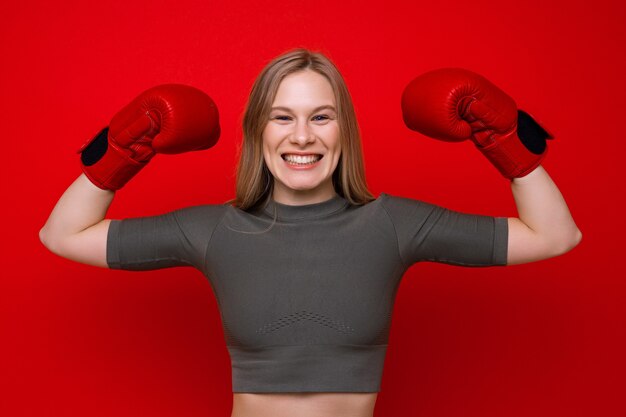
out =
column 305, row 262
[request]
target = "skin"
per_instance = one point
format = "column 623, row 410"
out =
column 296, row 126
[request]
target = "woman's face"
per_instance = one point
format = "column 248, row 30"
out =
column 302, row 121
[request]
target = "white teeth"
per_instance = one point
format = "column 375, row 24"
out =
column 302, row 159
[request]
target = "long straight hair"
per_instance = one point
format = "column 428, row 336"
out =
column 254, row 181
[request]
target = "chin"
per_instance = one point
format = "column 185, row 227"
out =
column 302, row 187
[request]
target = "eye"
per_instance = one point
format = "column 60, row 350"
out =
column 323, row 117
column 282, row 117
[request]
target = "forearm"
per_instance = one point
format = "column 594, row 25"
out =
column 542, row 208
column 81, row 206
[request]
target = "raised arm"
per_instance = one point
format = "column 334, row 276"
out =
column 170, row 119
column 454, row 104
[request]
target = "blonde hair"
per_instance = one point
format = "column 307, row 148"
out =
column 254, row 181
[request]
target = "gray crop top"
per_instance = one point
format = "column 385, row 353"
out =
column 306, row 306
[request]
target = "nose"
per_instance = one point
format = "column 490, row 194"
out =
column 302, row 132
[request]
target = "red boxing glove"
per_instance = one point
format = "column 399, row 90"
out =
column 169, row 119
column 455, row 104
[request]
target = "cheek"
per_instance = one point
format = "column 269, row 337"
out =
column 332, row 135
column 267, row 154
column 337, row 140
column 270, row 136
column 336, row 133
column 266, row 151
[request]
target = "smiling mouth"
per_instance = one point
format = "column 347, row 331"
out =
column 295, row 158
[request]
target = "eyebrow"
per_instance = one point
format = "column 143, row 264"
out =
column 326, row 106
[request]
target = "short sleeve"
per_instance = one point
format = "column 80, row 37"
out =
column 177, row 238
column 428, row 232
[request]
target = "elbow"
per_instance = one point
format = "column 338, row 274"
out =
column 48, row 242
column 578, row 237
column 571, row 243
column 42, row 237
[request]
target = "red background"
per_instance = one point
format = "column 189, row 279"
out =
column 539, row 339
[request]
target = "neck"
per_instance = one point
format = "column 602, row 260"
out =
column 299, row 198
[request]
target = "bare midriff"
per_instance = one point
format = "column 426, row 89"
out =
column 304, row 404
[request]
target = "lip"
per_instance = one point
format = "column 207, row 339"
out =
column 301, row 153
